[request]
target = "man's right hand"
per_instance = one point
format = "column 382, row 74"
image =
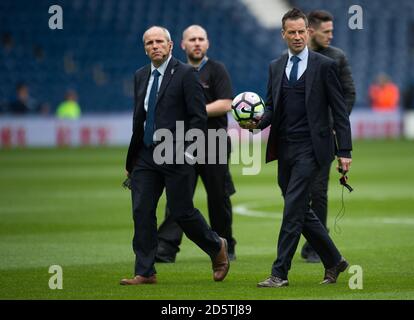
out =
column 127, row 182
column 248, row 124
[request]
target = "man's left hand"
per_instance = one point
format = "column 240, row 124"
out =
column 344, row 164
column 248, row 124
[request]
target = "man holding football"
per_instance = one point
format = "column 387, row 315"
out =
column 303, row 88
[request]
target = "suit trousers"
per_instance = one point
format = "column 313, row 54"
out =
column 297, row 169
column 219, row 187
column 319, row 194
column 148, row 180
column 319, row 199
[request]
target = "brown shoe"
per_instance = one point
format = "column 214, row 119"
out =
column 221, row 263
column 331, row 275
column 139, row 280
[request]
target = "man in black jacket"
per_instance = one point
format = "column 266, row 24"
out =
column 320, row 36
column 303, row 87
column 216, row 176
column 166, row 91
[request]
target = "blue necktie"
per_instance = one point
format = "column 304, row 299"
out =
column 152, row 100
column 293, row 77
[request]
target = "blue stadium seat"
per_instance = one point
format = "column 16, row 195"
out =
column 109, row 33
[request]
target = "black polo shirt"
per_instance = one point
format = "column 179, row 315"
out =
column 216, row 85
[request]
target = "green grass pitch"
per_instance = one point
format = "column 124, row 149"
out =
column 66, row 207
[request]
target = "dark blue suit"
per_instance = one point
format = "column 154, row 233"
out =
column 180, row 98
column 301, row 156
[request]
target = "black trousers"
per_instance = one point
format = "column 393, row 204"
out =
column 319, row 194
column 296, row 170
column 219, row 187
column 148, row 181
column 319, row 199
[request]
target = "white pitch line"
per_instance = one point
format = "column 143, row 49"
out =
column 247, row 210
column 242, row 210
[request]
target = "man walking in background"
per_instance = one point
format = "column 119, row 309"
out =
column 320, row 36
column 215, row 176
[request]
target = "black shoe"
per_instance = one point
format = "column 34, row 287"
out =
column 273, row 282
column 305, row 250
column 164, row 259
column 331, row 274
column 313, row 257
column 165, row 253
column 232, row 253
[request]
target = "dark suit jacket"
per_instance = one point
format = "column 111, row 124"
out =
column 180, row 98
column 322, row 91
column 344, row 74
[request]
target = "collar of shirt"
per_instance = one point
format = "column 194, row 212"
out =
column 302, row 65
column 161, row 69
column 202, row 64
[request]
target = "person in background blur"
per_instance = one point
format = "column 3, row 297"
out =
column 321, row 28
column 69, row 108
column 7, row 42
column 408, row 96
column 23, row 102
column 384, row 95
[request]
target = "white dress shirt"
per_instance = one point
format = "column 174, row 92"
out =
column 302, row 64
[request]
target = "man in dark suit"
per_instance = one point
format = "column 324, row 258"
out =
column 215, row 175
column 320, row 36
column 166, row 92
column 303, row 86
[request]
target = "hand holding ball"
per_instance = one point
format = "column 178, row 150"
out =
column 247, row 109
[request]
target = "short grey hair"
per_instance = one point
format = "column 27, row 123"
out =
column 167, row 33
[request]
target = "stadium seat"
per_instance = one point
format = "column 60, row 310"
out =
column 108, row 33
